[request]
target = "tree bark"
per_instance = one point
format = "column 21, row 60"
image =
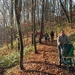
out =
column 11, row 27
column 65, row 11
column 18, row 12
column 34, row 40
column 71, row 12
column 42, row 23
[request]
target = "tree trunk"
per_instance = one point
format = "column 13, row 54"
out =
column 71, row 12
column 32, row 21
column 11, row 27
column 38, row 13
column 50, row 12
column 34, row 40
column 46, row 10
column 4, row 21
column 18, row 12
column 65, row 11
column 42, row 23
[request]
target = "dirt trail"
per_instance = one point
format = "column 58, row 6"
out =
column 43, row 63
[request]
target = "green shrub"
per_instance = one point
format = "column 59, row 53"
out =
column 13, row 58
column 27, row 49
column 72, row 38
column 9, row 59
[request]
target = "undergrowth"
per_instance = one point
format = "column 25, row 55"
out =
column 72, row 38
column 13, row 58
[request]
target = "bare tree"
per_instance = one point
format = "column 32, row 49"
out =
column 34, row 41
column 18, row 4
column 42, row 22
column 71, row 12
column 11, row 27
column 65, row 11
column 32, row 20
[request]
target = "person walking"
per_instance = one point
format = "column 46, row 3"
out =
column 61, row 40
column 52, row 35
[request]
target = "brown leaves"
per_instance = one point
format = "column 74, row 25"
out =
column 2, row 70
column 43, row 63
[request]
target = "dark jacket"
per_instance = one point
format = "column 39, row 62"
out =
column 62, row 39
column 52, row 34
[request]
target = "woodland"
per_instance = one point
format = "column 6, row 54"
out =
column 22, row 51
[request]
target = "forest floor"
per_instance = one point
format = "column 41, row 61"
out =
column 43, row 63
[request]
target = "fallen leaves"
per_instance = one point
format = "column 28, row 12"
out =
column 43, row 63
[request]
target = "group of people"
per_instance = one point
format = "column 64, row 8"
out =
column 61, row 40
column 47, row 38
column 46, row 35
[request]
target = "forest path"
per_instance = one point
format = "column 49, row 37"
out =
column 43, row 63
